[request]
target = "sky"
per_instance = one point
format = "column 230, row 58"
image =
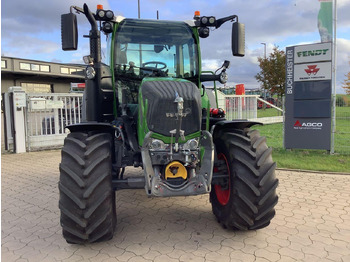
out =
column 31, row 29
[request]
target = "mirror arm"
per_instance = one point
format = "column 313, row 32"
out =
column 77, row 9
column 220, row 21
column 95, row 41
column 203, row 86
column 206, row 78
column 90, row 17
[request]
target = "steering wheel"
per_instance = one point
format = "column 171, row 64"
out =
column 156, row 63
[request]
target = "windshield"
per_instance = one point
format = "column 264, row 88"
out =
column 155, row 48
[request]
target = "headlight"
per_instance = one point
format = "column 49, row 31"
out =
column 223, row 78
column 107, row 27
column 212, row 20
column 109, row 14
column 90, row 72
column 203, row 32
column 157, row 144
column 191, row 144
column 101, row 13
column 204, row 20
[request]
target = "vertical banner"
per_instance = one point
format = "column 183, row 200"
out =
column 325, row 20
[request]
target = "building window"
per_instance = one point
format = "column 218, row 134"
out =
column 44, row 68
column 64, row 70
column 3, row 64
column 71, row 71
column 24, row 66
column 78, row 71
column 36, row 88
column 34, row 67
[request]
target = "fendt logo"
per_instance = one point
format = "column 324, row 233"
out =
column 318, row 52
column 312, row 69
column 307, row 125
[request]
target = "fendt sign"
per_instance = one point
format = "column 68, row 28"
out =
column 319, row 52
column 313, row 53
column 308, row 97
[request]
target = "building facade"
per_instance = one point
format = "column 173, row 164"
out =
column 40, row 76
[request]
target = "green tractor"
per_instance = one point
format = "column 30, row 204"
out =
column 146, row 107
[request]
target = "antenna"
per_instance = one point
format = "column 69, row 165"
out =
column 138, row 9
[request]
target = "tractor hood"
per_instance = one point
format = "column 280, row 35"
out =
column 159, row 106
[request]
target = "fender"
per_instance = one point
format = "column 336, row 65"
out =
column 91, row 126
column 234, row 124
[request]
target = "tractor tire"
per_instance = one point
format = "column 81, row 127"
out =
column 247, row 200
column 87, row 199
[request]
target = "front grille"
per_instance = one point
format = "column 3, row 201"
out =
column 161, row 96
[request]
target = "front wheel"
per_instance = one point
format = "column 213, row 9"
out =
column 245, row 198
column 87, row 199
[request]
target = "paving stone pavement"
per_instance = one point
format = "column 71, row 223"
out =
column 312, row 221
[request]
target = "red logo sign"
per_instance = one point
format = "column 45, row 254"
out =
column 297, row 123
column 312, row 69
column 307, row 125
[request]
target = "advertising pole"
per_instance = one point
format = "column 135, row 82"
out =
column 334, row 73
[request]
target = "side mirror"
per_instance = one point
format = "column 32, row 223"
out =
column 238, row 39
column 69, row 32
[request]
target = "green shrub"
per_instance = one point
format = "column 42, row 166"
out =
column 340, row 101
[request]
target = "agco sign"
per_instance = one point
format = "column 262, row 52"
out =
column 307, row 125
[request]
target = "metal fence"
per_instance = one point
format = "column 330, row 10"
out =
column 250, row 107
column 342, row 125
column 241, row 106
column 47, row 115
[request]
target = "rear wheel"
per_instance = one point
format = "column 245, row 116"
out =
column 246, row 198
column 87, row 199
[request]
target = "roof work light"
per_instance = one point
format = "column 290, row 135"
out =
column 103, row 15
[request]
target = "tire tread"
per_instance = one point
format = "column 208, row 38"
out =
column 87, row 199
column 253, row 182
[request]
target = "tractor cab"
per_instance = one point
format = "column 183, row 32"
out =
column 153, row 49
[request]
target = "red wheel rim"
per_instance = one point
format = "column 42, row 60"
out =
column 223, row 195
